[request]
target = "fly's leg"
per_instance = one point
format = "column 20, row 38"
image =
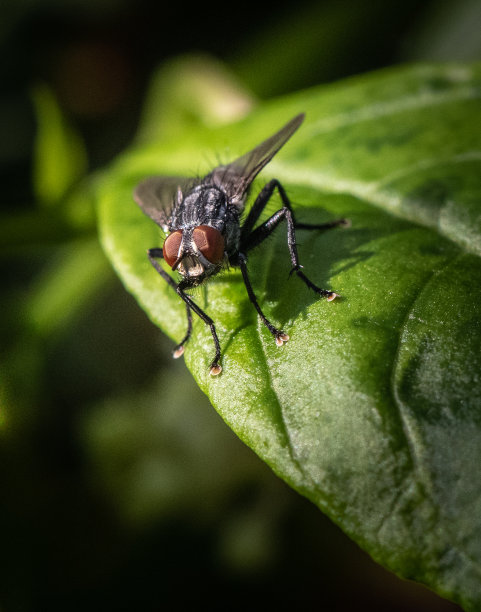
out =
column 250, row 238
column 154, row 254
column 261, row 202
column 266, row 229
column 215, row 367
column 179, row 349
column 278, row 334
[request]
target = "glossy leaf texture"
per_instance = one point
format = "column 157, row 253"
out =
column 373, row 408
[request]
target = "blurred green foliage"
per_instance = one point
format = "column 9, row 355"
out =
column 121, row 487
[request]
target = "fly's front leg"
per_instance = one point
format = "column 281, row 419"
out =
column 251, row 238
column 154, row 254
column 215, row 367
column 179, row 349
column 190, row 305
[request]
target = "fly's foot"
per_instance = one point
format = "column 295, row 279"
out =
column 178, row 351
column 281, row 337
column 330, row 296
column 215, row 369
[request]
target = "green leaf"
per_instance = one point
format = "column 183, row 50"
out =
column 372, row 409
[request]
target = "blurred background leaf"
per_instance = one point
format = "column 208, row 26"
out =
column 60, row 158
column 99, row 507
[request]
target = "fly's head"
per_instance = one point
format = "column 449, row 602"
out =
column 196, row 253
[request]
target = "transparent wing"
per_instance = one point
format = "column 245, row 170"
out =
column 235, row 178
column 156, row 195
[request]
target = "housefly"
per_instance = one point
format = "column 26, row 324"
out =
column 204, row 234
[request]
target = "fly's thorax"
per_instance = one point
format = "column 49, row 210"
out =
column 202, row 205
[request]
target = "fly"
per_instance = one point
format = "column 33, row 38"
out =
column 202, row 221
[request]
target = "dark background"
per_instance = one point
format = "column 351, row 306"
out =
column 120, row 487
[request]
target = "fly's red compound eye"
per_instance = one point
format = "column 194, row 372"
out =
column 172, row 246
column 210, row 243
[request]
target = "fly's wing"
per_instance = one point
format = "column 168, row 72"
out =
column 156, row 196
column 235, row 178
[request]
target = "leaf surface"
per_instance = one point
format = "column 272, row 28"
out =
column 373, row 408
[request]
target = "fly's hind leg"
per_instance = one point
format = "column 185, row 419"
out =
column 251, row 238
